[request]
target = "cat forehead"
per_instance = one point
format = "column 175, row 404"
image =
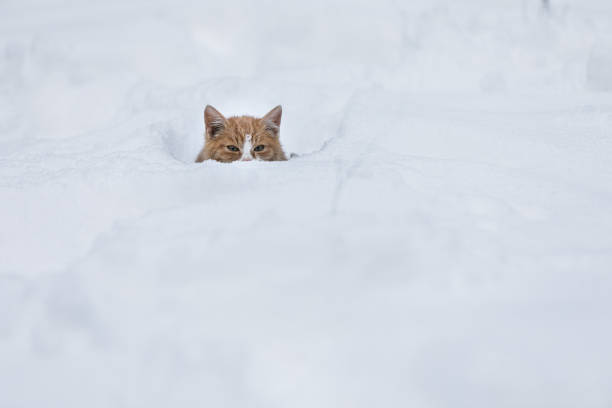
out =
column 245, row 123
column 243, row 133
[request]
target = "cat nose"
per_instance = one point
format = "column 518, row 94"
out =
column 247, row 159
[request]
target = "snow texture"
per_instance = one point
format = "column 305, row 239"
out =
column 444, row 238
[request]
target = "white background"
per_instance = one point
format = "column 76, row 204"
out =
column 444, row 239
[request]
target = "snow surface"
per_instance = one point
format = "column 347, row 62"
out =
column 443, row 240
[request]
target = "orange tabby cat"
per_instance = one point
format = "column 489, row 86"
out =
column 242, row 138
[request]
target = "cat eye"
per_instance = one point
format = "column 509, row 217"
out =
column 233, row 148
column 259, row 148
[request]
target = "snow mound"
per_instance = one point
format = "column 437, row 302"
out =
column 599, row 67
column 180, row 139
column 442, row 240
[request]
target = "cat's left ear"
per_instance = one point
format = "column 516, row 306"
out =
column 273, row 119
column 214, row 120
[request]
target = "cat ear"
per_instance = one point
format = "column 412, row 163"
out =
column 214, row 121
column 273, row 119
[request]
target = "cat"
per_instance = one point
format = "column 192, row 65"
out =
column 243, row 138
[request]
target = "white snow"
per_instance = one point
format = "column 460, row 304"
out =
column 444, row 238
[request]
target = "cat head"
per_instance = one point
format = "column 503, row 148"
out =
column 242, row 138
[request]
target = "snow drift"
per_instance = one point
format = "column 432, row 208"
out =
column 443, row 239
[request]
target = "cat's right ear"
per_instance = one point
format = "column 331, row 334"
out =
column 214, row 121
